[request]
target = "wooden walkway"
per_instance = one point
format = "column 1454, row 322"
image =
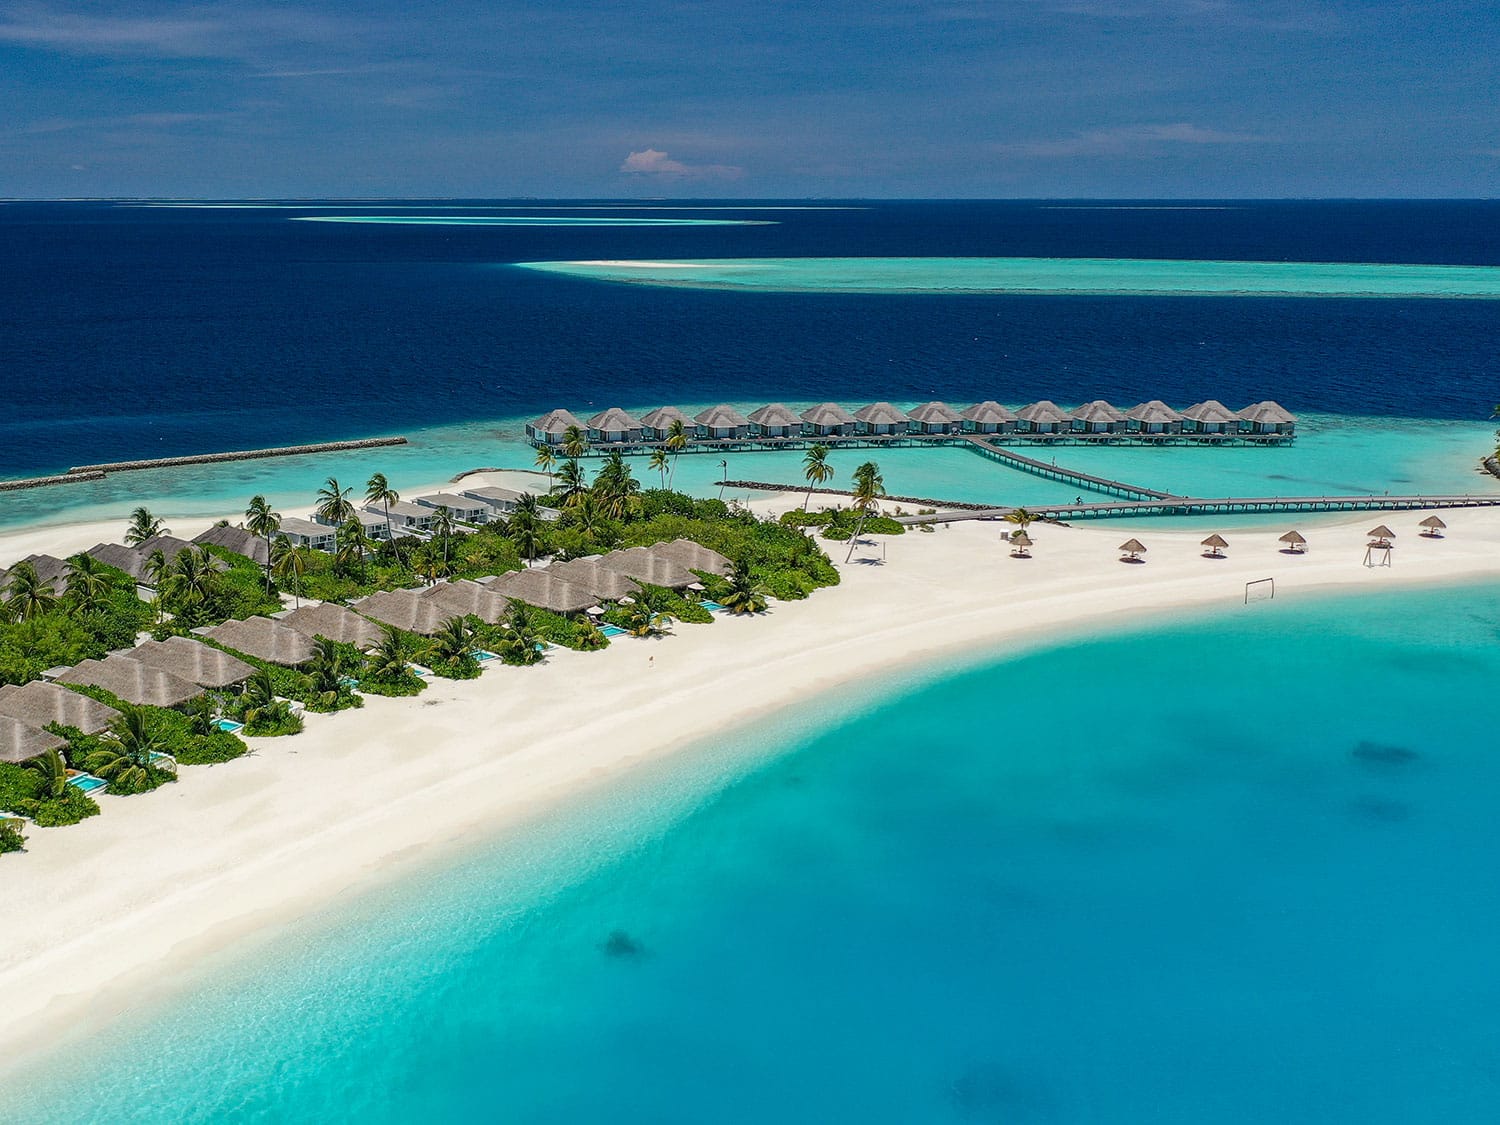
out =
column 1228, row 505
column 1056, row 472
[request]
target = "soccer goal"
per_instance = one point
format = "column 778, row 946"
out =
column 1261, row 590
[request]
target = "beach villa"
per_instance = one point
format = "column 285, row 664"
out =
column 192, row 660
column 38, row 703
column 236, row 539
column 334, row 622
column 20, row 742
column 266, row 639
column 132, row 680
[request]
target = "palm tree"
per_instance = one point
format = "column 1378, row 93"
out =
column 745, row 593
column 327, row 669
column 288, row 564
column 156, row 568
column 575, row 443
column 545, row 460
column 333, row 506
column 443, row 527
column 677, row 439
column 262, row 521
column 520, row 644
column 191, row 580
column 869, row 487
column 816, row 469
column 570, row 483
column 27, row 596
column 587, row 513
column 387, row 661
column 453, row 642
column 525, row 529
column 353, row 542
column 88, row 582
column 379, row 491
column 643, row 621
column 615, row 487
column 53, row 772
column 1020, row 517
column 660, row 462
column 128, row 753
column 143, row 526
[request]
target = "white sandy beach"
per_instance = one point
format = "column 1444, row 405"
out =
column 96, row 913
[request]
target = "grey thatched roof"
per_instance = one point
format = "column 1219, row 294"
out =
column 192, row 660
column 49, row 568
column 543, row 589
column 644, row 565
column 20, row 741
column 614, row 419
column 988, row 413
column 1020, row 539
column 169, row 545
column 467, row 598
column 235, row 539
column 1433, row 522
column 693, row 556
column 133, row 681
column 721, row 417
column 406, row 609
column 881, row 414
column 827, row 414
column 1044, row 413
column 663, row 416
column 1382, row 532
column 1098, row 411
column 264, row 639
column 556, row 422
column 1267, row 413
column 774, row 414
column 121, row 557
column 934, row 414
column 39, row 703
column 334, row 622
column 1216, row 541
column 1154, row 412
column 605, row 584
column 1211, row 412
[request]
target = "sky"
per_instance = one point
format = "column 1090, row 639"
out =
column 732, row 98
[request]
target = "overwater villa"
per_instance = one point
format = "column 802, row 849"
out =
column 20, row 742
column 988, row 417
column 881, row 419
column 827, row 419
column 1154, row 417
column 264, row 638
column 1098, row 417
column 1210, row 417
column 935, row 418
column 192, row 660
column 719, row 423
column 551, row 428
column 614, row 426
column 656, row 425
column 1267, row 418
column 132, row 680
column 774, row 421
column 335, row 622
column 39, row 703
column 1044, row 417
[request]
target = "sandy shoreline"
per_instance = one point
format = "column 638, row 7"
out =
column 232, row 850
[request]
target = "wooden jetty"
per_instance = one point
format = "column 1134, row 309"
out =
column 1055, row 472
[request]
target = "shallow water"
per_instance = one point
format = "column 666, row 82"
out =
column 1234, row 872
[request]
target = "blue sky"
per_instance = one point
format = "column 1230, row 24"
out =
column 856, row 98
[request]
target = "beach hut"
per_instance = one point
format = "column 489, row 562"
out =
column 656, row 423
column 465, row 509
column 1044, row 417
column 275, row 642
column 550, row 427
column 20, row 742
column 50, row 569
column 988, row 417
column 694, row 556
column 192, row 660
column 827, row 419
column 237, row 540
column 1296, row 544
column 614, row 427
column 1215, row 544
column 935, row 418
column 306, row 533
column 1020, row 545
column 1131, row 551
column 543, row 589
column 1382, row 534
column 881, row 419
column 1098, row 417
column 1154, row 417
column 38, row 703
column 132, row 680
column 121, row 557
column 335, row 622
column 406, row 610
column 1209, row 418
column 646, row 566
column 1433, row 527
column 722, row 423
column 602, row 583
column 775, row 421
column 1267, row 418
column 468, row 599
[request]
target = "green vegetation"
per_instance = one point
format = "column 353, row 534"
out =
column 839, row 523
column 40, row 790
column 741, row 592
column 40, row 629
column 189, row 736
column 11, row 838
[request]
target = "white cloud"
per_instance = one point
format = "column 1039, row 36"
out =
column 654, row 162
column 1124, row 140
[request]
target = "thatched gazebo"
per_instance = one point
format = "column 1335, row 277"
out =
column 1020, row 545
column 1382, row 536
column 38, row 703
column 1131, row 551
column 133, row 681
column 1433, row 527
column 20, row 742
column 192, row 660
column 775, row 420
column 1296, row 543
column 1215, row 544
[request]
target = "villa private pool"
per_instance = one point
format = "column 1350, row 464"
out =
column 229, row 726
column 87, row 782
column 612, row 630
column 482, row 655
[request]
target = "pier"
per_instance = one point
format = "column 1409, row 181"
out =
column 1055, row 472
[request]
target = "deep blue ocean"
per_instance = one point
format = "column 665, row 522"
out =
column 129, row 331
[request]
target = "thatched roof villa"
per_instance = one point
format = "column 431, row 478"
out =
column 694, row 556
column 645, row 565
column 133, row 681
column 1044, row 417
column 190, row 659
column 235, row 539
column 775, row 421
column 603, row 583
column 550, row 427
column 1098, row 417
column 935, row 418
column 468, row 599
column 1209, row 417
column 1154, row 417
column 614, row 426
column 988, row 417
column 656, row 423
column 20, row 742
column 405, row 609
column 543, row 589
column 827, row 419
column 880, row 419
column 721, row 422
column 38, row 703
column 265, row 639
column 335, row 622
column 1267, row 417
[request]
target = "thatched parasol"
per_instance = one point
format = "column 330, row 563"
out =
column 1132, row 549
column 1295, row 542
column 1215, row 544
column 1382, row 532
column 1020, row 544
column 1434, row 526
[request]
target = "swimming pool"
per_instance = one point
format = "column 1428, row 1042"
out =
column 612, row 630
column 420, row 669
column 229, row 726
column 482, row 655
column 87, row 782
column 712, row 607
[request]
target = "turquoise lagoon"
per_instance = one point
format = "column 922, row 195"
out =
column 1237, row 868
column 1136, row 276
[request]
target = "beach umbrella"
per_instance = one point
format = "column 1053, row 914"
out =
column 1382, row 532
column 1434, row 526
column 1295, row 542
column 1132, row 549
column 1215, row 544
column 595, row 611
column 1020, row 543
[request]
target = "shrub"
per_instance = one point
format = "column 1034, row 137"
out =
column 11, row 838
column 20, row 792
